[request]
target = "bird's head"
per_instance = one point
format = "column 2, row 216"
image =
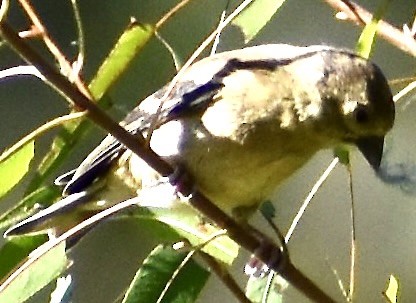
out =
column 361, row 97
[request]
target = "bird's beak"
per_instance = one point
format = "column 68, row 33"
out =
column 372, row 149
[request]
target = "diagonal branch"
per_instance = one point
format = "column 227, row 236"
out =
column 385, row 30
column 137, row 144
column 64, row 64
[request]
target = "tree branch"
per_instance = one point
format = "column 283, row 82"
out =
column 137, row 144
column 385, row 30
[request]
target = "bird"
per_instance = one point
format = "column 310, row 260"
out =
column 239, row 123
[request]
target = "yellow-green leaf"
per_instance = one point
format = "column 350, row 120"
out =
column 343, row 154
column 129, row 44
column 14, row 167
column 39, row 270
column 368, row 35
column 392, row 291
column 167, row 276
column 187, row 223
column 255, row 17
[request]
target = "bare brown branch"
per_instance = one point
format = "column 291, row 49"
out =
column 63, row 62
column 385, row 30
column 226, row 278
column 137, row 144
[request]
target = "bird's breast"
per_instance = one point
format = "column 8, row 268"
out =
column 232, row 172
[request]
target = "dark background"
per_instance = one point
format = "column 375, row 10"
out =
column 106, row 260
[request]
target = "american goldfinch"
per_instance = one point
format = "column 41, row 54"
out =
column 239, row 123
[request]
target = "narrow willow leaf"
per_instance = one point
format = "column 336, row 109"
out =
column 14, row 167
column 368, row 35
column 16, row 249
column 167, row 276
column 392, row 291
column 255, row 17
column 172, row 225
column 130, row 43
column 38, row 271
column 259, row 290
column 187, row 223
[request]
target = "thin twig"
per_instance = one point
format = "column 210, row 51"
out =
column 410, row 87
column 64, row 64
column 308, row 199
column 162, row 295
column 21, row 70
column 74, row 96
column 170, row 13
column 353, row 238
column 402, row 81
column 225, row 277
column 385, row 30
column 170, row 49
column 54, row 242
column 79, row 63
column 137, row 144
column 217, row 36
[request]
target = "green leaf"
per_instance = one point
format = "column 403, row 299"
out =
column 343, row 154
column 259, row 290
column 368, row 35
column 129, row 45
column 38, row 271
column 255, row 17
column 187, row 222
column 183, row 221
column 167, row 276
column 393, row 290
column 16, row 249
column 268, row 210
column 14, row 167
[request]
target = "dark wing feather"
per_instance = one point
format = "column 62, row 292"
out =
column 187, row 98
column 190, row 98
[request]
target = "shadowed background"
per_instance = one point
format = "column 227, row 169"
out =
column 107, row 258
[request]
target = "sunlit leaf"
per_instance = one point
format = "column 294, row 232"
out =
column 13, row 168
column 368, row 35
column 392, row 291
column 16, row 249
column 259, row 290
column 255, row 17
column 166, row 276
column 187, row 223
column 38, row 271
column 130, row 43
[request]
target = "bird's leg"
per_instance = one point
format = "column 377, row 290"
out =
column 182, row 181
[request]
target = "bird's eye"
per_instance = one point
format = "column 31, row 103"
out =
column 361, row 114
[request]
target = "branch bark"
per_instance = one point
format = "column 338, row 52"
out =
column 137, row 144
column 385, row 30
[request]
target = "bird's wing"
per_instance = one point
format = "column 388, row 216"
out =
column 138, row 121
column 193, row 94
